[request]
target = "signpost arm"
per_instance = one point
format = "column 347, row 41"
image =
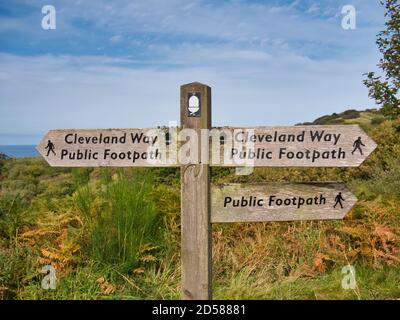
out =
column 196, row 252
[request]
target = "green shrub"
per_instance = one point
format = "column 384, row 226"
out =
column 121, row 219
column 81, row 176
column 167, row 175
column 387, row 182
column 377, row 120
column 16, row 269
column 12, row 209
column 350, row 114
column 325, row 119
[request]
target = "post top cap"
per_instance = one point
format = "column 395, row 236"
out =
column 196, row 83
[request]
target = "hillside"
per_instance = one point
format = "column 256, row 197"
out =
column 351, row 116
column 115, row 234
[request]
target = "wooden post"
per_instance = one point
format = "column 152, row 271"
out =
column 196, row 238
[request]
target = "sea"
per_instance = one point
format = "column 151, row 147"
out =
column 19, row 151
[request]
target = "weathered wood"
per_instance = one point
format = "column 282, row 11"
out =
column 294, row 146
column 332, row 146
column 195, row 205
column 260, row 202
column 106, row 148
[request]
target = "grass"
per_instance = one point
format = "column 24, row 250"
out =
column 121, row 220
column 115, row 233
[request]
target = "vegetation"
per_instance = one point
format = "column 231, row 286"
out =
column 385, row 89
column 115, row 233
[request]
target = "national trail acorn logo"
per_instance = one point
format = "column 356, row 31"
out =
column 194, row 106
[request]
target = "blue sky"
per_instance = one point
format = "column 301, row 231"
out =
column 120, row 63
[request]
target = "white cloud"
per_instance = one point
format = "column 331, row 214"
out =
column 266, row 65
column 234, row 21
column 117, row 38
column 314, row 8
column 52, row 94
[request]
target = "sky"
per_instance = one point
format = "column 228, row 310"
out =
column 120, row 63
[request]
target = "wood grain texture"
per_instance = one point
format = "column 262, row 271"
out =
column 128, row 142
column 222, row 212
column 339, row 151
column 196, row 238
column 313, row 146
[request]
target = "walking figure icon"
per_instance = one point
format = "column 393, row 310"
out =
column 338, row 200
column 357, row 145
column 50, row 148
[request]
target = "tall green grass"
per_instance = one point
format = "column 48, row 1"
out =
column 121, row 226
column 12, row 210
column 121, row 219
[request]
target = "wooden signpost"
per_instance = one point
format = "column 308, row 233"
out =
column 196, row 252
column 192, row 150
column 280, row 202
column 300, row 146
column 105, row 148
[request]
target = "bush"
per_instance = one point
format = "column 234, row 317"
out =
column 377, row 120
column 387, row 182
column 351, row 114
column 121, row 219
column 12, row 209
column 16, row 267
